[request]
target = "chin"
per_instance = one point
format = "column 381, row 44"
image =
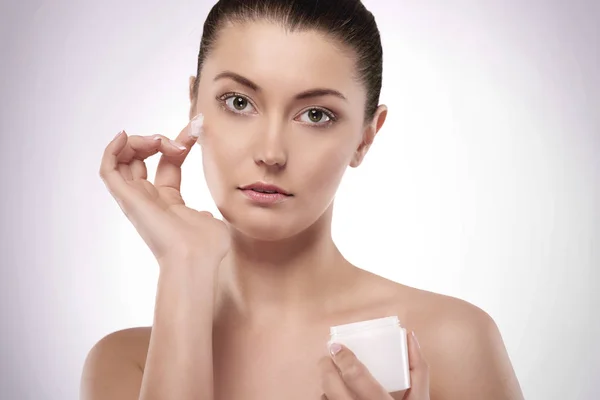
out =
column 264, row 224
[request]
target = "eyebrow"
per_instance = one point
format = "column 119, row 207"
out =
column 300, row 96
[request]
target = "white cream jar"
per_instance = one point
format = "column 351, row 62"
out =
column 381, row 345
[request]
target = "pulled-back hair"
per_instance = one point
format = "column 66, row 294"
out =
column 346, row 21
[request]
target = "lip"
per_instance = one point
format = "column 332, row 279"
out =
column 265, row 199
column 265, row 187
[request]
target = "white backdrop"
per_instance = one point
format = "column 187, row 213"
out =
column 484, row 183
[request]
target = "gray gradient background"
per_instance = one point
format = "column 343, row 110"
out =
column 484, row 183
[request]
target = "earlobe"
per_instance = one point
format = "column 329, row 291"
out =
column 359, row 154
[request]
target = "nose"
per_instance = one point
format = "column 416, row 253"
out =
column 271, row 148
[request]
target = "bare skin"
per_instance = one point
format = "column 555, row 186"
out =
column 283, row 282
column 462, row 345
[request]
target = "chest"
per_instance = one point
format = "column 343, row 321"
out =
column 269, row 366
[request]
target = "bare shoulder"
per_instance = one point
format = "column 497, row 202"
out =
column 426, row 312
column 113, row 367
column 461, row 342
column 418, row 307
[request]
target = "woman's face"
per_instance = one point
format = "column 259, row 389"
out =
column 283, row 109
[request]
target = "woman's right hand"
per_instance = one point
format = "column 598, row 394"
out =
column 171, row 230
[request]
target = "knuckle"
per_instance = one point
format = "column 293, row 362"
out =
column 102, row 173
column 345, row 357
column 353, row 372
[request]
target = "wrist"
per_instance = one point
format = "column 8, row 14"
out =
column 185, row 287
column 187, row 263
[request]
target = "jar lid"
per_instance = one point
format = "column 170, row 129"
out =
column 364, row 325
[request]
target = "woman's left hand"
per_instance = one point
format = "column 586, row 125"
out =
column 344, row 377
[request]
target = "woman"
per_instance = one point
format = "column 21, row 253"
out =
column 285, row 99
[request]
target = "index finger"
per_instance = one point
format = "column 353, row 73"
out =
column 332, row 383
column 168, row 172
column 356, row 375
column 113, row 180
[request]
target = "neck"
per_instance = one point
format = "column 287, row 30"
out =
column 291, row 278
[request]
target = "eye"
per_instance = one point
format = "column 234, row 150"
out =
column 317, row 116
column 236, row 103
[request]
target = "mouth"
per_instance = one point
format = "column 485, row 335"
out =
column 265, row 188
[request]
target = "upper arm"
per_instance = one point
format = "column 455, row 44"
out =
column 111, row 370
column 469, row 360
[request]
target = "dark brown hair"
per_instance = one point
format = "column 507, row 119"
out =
column 347, row 21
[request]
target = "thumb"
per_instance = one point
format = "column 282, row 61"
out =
column 419, row 371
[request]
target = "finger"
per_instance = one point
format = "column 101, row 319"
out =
column 134, row 204
column 168, row 173
column 138, row 170
column 356, row 376
column 109, row 173
column 419, row 370
column 332, row 383
column 130, row 158
column 125, row 171
column 142, row 147
column 137, row 149
column 195, row 129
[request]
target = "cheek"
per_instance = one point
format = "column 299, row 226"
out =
column 219, row 156
column 324, row 167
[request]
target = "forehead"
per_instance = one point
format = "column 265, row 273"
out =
column 274, row 57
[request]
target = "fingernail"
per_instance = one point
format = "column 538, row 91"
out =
column 118, row 134
column 335, row 348
column 179, row 146
column 157, row 138
column 416, row 340
column 196, row 126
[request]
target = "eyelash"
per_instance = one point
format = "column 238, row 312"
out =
column 331, row 115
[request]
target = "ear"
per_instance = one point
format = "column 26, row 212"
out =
column 192, row 81
column 193, row 99
column 369, row 135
